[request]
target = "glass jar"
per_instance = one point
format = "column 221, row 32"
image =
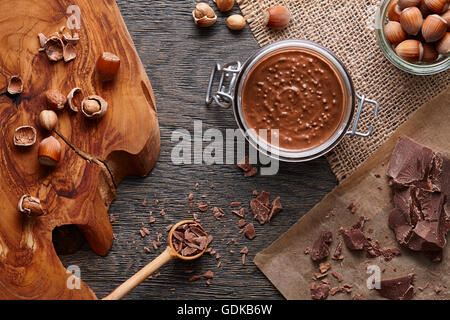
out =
column 233, row 76
column 423, row 69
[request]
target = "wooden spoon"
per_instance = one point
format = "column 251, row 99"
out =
column 167, row 255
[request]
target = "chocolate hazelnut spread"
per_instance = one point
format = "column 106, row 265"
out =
column 298, row 93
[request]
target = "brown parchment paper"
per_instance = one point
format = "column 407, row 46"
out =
column 291, row 271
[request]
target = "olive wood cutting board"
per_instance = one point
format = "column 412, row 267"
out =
column 96, row 154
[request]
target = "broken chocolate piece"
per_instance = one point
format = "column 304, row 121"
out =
column 398, row 289
column 276, row 207
column 319, row 291
column 249, row 231
column 247, row 167
column 260, row 211
column 421, row 184
column 354, row 239
column 320, row 249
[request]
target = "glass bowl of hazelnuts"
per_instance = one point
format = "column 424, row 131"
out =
column 414, row 35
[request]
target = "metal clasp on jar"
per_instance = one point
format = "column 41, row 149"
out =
column 228, row 75
column 354, row 129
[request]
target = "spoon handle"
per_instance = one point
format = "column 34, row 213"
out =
column 141, row 275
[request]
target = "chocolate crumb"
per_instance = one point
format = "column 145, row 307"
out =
column 235, row 204
column 324, row 267
column 208, row 274
column 244, row 250
column 194, row 278
column 162, row 212
column 249, row 231
column 307, row 250
column 241, row 223
column 352, row 208
column 337, row 275
column 112, row 219
column 319, row 291
column 203, row 206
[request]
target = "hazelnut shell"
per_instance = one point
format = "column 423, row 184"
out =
column 277, row 17
column 103, row 105
column 25, row 136
column 204, row 15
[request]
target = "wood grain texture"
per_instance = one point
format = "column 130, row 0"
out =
column 96, row 154
column 178, row 58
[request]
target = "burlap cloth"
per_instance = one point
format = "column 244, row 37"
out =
column 346, row 27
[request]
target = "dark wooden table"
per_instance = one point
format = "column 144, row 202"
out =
column 178, row 58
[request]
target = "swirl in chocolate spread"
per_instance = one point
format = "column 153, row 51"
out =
column 296, row 92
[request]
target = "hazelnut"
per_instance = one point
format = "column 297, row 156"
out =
column 15, row 85
column 204, row 15
column 434, row 28
column 30, row 206
column 25, row 136
column 277, row 17
column 446, row 17
column 411, row 20
column 107, row 66
column 394, row 11
column 429, row 53
column 443, row 46
column 410, row 50
column 48, row 119
column 49, row 153
column 394, row 32
column 403, row 4
column 236, row 22
column 55, row 99
column 94, row 107
column 436, row 6
column 224, row 5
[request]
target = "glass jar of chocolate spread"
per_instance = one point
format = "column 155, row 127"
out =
column 295, row 91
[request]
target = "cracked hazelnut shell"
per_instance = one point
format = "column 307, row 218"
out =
column 30, row 206
column 15, row 85
column 72, row 97
column 54, row 48
column 49, row 153
column 25, row 136
column 204, row 15
column 94, row 107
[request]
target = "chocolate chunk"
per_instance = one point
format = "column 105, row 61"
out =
column 410, row 163
column 319, row 291
column 202, row 206
column 249, row 231
column 398, row 289
column 337, row 275
column 421, row 185
column 241, row 223
column 276, row 207
column 264, row 198
column 320, row 248
column 354, row 239
column 337, row 255
column 324, row 267
column 260, row 211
